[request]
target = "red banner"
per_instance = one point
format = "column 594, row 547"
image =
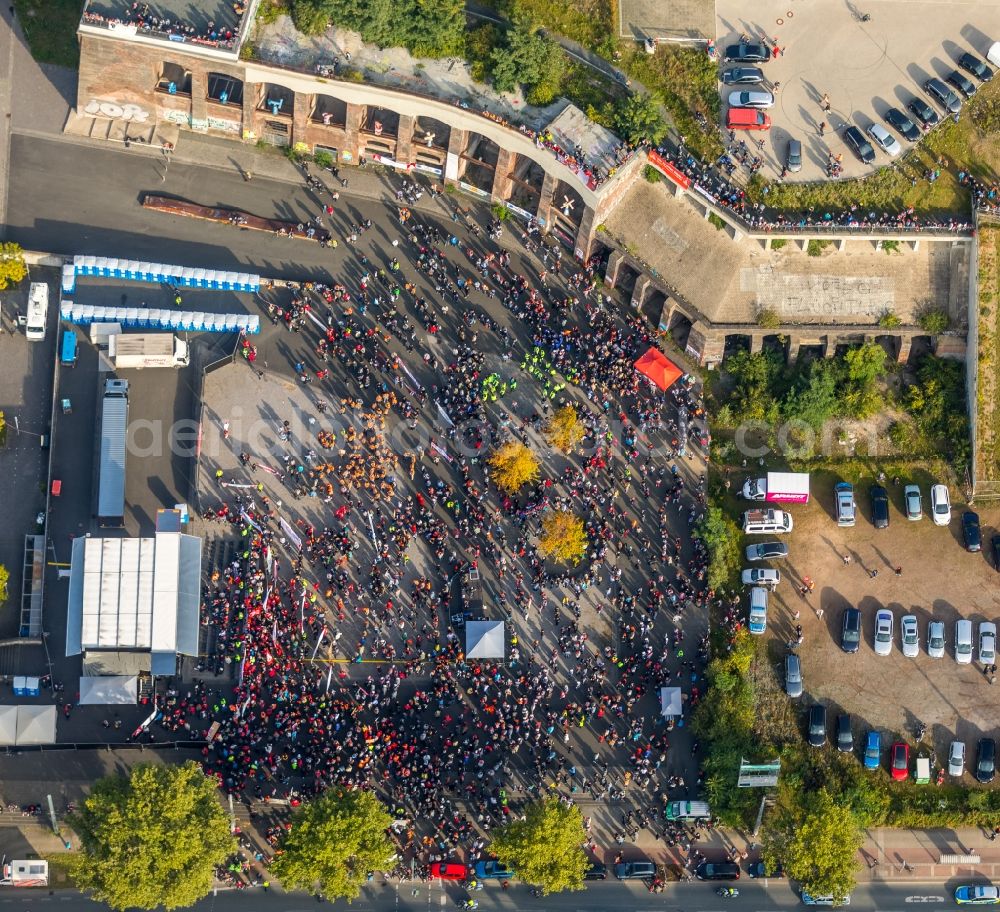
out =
column 669, row 169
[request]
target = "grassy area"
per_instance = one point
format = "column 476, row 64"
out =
column 987, row 406
column 50, row 27
column 592, row 23
column 59, row 869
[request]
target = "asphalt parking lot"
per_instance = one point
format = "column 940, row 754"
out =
column 865, row 67
column 940, row 580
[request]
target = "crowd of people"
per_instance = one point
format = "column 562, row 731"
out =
column 146, row 18
column 451, row 743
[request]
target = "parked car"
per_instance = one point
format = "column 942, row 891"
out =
column 940, row 505
column 961, row 82
column 596, row 871
column 850, row 630
column 972, row 64
column 793, row 675
column 873, row 750
column 956, row 759
column 902, row 124
column 899, row 763
column 943, row 95
column 747, row 52
column 752, row 98
column 758, row 869
column 767, row 551
column 909, row 635
column 449, row 870
column 758, row 611
column 935, row 639
column 986, row 760
column 883, row 632
column 793, row 156
column 709, row 870
column 747, row 75
column 913, row 502
column 635, row 870
column 924, row 112
column 884, row 140
column 977, row 895
column 995, row 544
column 963, row 642
column 971, row 532
column 880, row 506
column 987, row 643
column 859, row 145
column 761, row 576
column 845, row 503
column 817, row 725
column 491, row 869
column 845, row 737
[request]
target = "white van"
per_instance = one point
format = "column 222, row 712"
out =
column 38, row 311
column 766, row 522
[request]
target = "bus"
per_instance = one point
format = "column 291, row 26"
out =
column 38, row 311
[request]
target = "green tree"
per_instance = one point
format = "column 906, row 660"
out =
column 638, row 119
column 865, row 365
column 310, row 17
column 13, row 269
column 754, row 377
column 546, row 847
column 814, row 399
column 333, row 843
column 820, row 849
column 152, row 838
column 480, row 43
column 721, row 536
column 526, row 58
column 427, row 28
column 4, row 580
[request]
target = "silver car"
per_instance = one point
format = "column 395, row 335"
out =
column 914, row 502
column 884, row 140
column 883, row 632
column 762, row 576
column 956, row 759
column 935, row 640
column 793, row 675
column 987, row 643
column 963, row 642
column 751, row 98
column 910, row 635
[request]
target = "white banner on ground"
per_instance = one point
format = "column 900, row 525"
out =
column 293, row 536
column 444, row 415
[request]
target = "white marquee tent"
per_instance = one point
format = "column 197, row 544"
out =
column 485, row 640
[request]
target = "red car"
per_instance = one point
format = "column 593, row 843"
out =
column 900, row 760
column 449, row 870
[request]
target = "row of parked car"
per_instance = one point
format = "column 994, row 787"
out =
column 899, row 753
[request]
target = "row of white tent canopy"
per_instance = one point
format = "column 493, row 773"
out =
column 27, row 725
column 157, row 318
column 139, row 271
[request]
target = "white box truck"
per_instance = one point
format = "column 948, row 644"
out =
column 138, row 350
column 778, row 487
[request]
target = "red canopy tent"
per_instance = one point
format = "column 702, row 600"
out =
column 659, row 368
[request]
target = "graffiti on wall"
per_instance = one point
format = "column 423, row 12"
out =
column 131, row 112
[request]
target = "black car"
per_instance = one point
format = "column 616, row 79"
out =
column 713, row 870
column 880, row 507
column 850, row 630
column 972, row 64
column 859, row 145
column 845, row 737
column 596, row 871
column 995, row 543
column 758, row 869
column 961, row 82
column 817, row 725
column 747, row 75
column 902, row 124
column 986, row 760
column 943, row 95
column 747, row 53
column 924, row 112
column 971, row 531
column 635, row 870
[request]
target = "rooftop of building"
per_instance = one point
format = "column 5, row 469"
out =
column 215, row 23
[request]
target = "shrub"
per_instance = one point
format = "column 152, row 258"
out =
column 767, row 317
column 815, row 247
column 934, row 320
column 778, row 243
column 651, row 174
column 889, row 320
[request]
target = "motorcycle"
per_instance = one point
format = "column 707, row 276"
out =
column 727, row 891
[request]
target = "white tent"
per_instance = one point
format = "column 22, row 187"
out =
column 109, row 689
column 8, row 725
column 671, row 702
column 36, row 725
column 485, row 640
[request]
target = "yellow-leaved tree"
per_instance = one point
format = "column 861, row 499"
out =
column 514, row 465
column 563, row 537
column 564, row 430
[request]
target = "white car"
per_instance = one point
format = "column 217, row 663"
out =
column 751, row 98
column 883, row 632
column 963, row 642
column 956, row 758
column 935, row 640
column 987, row 643
column 910, row 635
column 940, row 505
column 912, row 500
column 884, row 140
column 763, row 576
